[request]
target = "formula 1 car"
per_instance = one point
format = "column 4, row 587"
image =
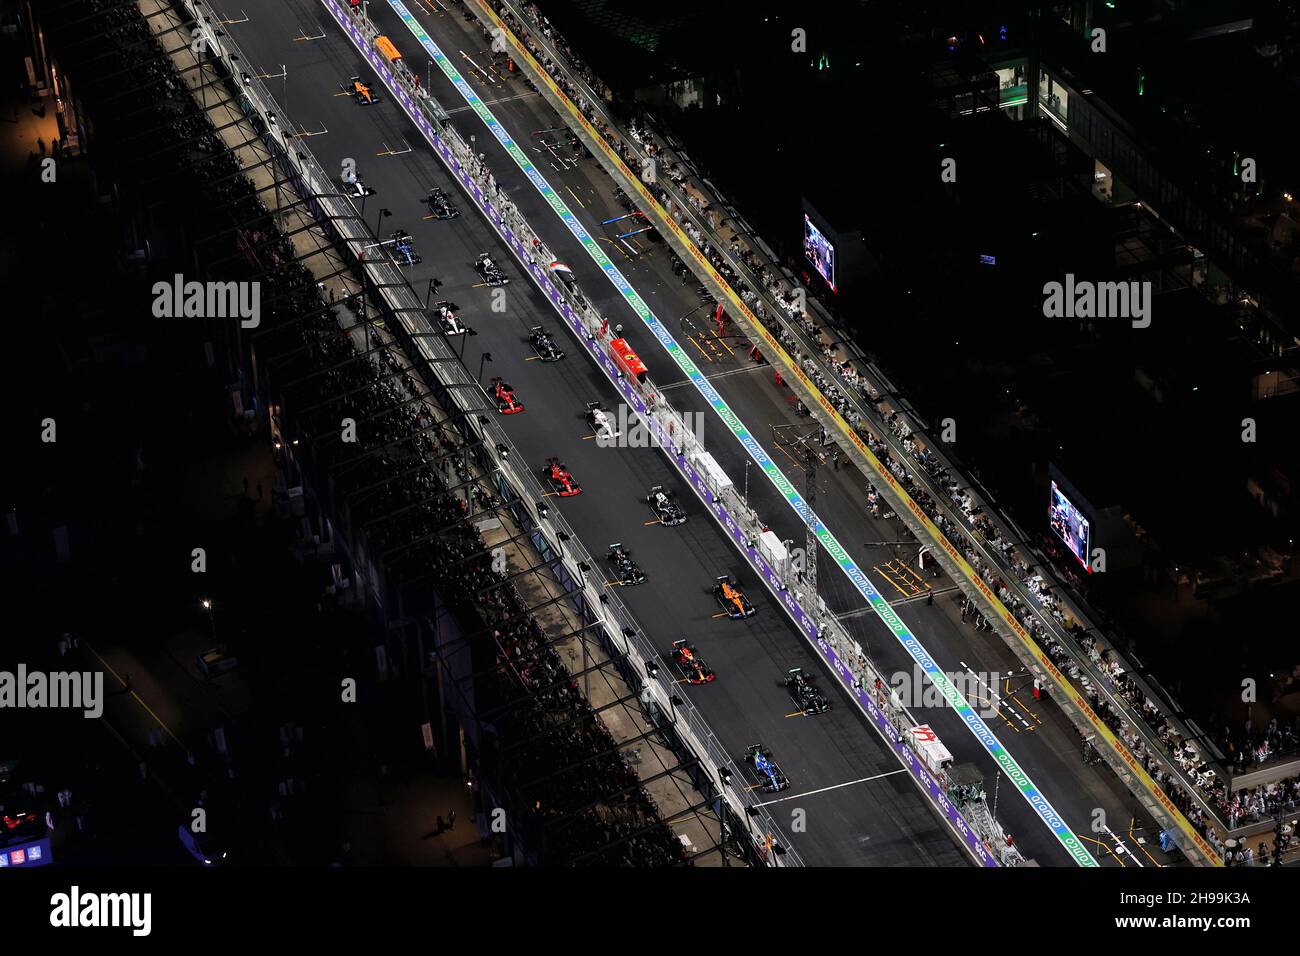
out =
column 356, row 188
column 732, row 599
column 544, row 345
column 600, row 423
column 805, row 694
column 665, row 509
column 440, row 205
column 626, row 570
column 448, row 319
column 507, row 404
column 404, row 249
column 561, row 481
column 770, row 777
column 361, row 93
column 489, row 271
column 684, row 656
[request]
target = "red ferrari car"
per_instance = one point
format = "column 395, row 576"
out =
column 507, row 404
column 561, row 481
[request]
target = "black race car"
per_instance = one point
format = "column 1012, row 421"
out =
column 489, row 271
column 403, row 248
column 665, row 508
column 626, row 571
column 544, row 345
column 684, row 656
column 805, row 694
column 362, row 93
column 440, row 205
column 504, row 395
column 731, row 598
column 770, row 777
column 561, row 481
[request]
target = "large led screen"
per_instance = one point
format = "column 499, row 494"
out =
column 1069, row 524
column 819, row 250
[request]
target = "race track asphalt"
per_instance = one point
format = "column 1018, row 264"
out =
column 877, row 822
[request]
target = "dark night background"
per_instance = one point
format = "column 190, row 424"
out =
column 1146, row 422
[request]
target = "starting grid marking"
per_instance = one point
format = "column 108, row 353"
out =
column 903, row 578
column 1037, row 801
